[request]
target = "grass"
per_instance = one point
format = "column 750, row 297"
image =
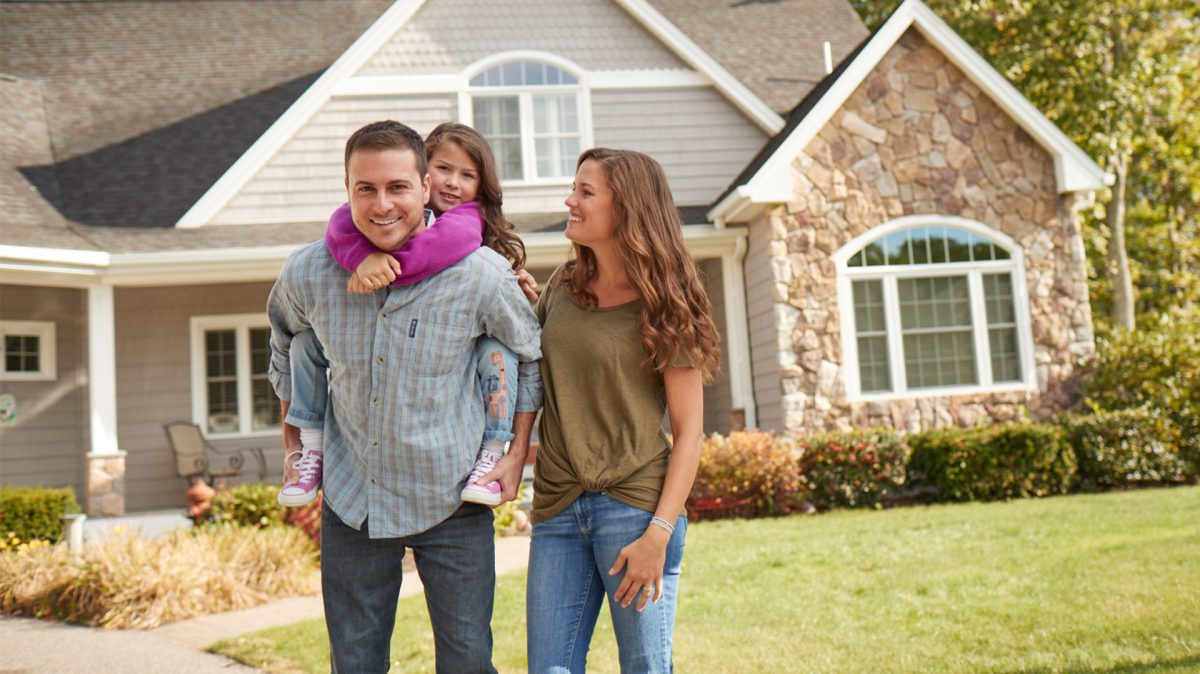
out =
column 1089, row 583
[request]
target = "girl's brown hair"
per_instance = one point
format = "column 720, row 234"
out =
column 676, row 314
column 498, row 233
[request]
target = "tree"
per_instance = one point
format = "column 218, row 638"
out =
column 1120, row 78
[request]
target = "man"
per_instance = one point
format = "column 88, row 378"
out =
column 405, row 415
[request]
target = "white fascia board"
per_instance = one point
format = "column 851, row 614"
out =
column 691, row 53
column 292, row 120
column 1074, row 170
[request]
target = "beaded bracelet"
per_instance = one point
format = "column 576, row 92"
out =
column 656, row 520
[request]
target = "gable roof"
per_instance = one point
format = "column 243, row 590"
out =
column 767, row 179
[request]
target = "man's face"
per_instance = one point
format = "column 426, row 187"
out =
column 387, row 195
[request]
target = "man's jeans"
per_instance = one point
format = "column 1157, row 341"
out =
column 495, row 368
column 569, row 558
column 360, row 579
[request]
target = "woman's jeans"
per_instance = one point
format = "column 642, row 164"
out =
column 569, row 558
column 495, row 367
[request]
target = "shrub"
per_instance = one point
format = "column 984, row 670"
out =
column 127, row 582
column 248, row 505
column 34, row 513
column 748, row 473
column 853, row 469
column 1157, row 367
column 510, row 519
column 1006, row 461
column 1124, row 447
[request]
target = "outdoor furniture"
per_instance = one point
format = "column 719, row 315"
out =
column 196, row 458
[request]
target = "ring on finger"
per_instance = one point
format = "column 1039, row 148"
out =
column 648, row 589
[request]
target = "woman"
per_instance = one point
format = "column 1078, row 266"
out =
column 626, row 336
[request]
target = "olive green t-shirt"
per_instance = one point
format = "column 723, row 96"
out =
column 601, row 426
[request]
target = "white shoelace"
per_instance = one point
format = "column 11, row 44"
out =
column 485, row 465
column 308, row 465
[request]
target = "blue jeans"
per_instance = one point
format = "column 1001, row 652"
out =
column 495, row 368
column 360, row 581
column 569, row 558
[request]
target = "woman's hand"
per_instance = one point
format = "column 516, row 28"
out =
column 643, row 561
column 378, row 270
column 528, row 284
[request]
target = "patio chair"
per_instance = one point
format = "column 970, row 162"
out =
column 196, row 458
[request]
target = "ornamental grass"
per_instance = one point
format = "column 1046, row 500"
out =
column 129, row 583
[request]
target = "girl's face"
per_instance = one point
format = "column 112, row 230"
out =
column 590, row 205
column 454, row 176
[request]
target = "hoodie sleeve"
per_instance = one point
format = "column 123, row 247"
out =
column 346, row 244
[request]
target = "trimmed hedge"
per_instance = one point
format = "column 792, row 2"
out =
column 249, row 505
column 855, row 468
column 1125, row 447
column 746, row 474
column 35, row 513
column 987, row 463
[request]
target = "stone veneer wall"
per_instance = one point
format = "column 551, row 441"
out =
column 918, row 137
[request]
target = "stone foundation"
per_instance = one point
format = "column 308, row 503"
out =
column 105, row 485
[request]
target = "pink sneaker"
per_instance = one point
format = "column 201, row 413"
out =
column 304, row 489
column 487, row 494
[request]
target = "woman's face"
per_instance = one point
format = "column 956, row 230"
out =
column 454, row 176
column 590, row 206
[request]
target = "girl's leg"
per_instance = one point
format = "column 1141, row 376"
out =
column 643, row 639
column 496, row 368
column 306, row 411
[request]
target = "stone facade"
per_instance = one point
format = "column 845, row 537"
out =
column 918, row 137
column 105, row 485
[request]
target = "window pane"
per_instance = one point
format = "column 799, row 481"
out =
column 873, row 369
column 220, row 356
column 264, row 400
column 22, row 353
column 554, row 115
column 868, row 306
column 896, row 245
column 522, row 74
column 1006, row 365
column 874, row 374
column 998, row 296
column 498, row 119
column 935, row 319
column 958, row 245
column 874, row 255
column 918, row 240
column 1002, row 327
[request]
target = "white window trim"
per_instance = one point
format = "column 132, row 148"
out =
column 974, row 272
column 241, row 325
column 47, row 355
column 582, row 90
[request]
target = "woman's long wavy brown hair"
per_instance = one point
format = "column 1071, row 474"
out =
column 498, row 233
column 676, row 314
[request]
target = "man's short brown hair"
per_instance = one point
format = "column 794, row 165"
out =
column 388, row 135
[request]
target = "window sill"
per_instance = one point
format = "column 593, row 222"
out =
column 944, row 392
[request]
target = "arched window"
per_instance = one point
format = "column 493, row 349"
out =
column 530, row 113
column 935, row 306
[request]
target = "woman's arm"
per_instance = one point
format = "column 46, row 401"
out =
column 646, row 557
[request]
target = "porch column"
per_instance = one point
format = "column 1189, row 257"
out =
column 737, row 332
column 105, row 461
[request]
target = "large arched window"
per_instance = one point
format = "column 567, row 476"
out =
column 933, row 306
column 530, row 113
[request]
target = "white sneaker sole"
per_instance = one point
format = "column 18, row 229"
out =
column 482, row 497
column 296, row 500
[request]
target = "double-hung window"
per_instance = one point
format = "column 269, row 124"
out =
column 934, row 309
column 530, row 114
column 230, row 390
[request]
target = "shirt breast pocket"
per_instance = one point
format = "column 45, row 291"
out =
column 439, row 349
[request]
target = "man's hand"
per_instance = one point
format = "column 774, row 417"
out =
column 508, row 473
column 528, row 284
column 377, row 271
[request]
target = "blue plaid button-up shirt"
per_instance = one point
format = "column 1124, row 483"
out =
column 405, row 418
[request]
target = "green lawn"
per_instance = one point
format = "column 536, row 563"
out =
column 1093, row 583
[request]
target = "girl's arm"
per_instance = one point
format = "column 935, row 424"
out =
column 646, row 557
column 455, row 235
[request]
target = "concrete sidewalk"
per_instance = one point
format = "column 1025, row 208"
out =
column 38, row 646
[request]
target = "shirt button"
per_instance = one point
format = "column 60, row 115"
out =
column 379, row 359
column 375, row 402
column 381, row 317
column 374, row 480
column 374, row 443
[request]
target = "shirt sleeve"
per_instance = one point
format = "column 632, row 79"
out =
column 509, row 317
column 287, row 318
column 453, row 236
column 346, row 244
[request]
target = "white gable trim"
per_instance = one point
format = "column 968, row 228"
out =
column 693, row 55
column 1074, row 170
column 339, row 80
column 249, row 164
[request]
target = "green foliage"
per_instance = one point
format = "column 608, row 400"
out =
column 510, row 518
column 248, row 505
column 986, row 463
column 1157, row 368
column 747, row 473
column 853, row 469
column 1126, row 447
column 35, row 513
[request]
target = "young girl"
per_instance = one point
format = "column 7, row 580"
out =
column 627, row 335
column 465, row 196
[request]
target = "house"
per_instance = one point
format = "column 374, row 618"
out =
column 888, row 229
